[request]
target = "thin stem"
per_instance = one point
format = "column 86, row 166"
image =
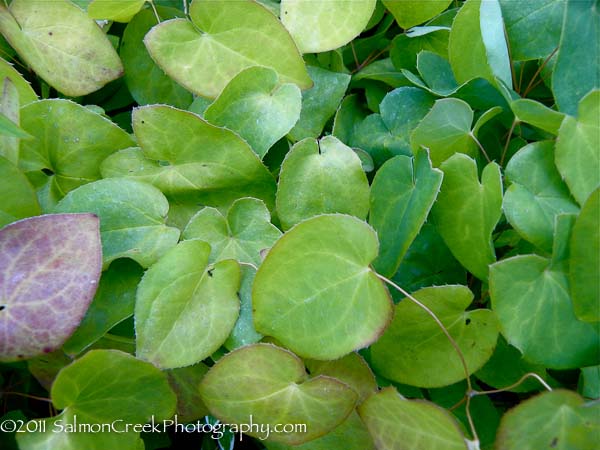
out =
column 458, row 403
column 521, row 72
column 514, row 385
column 480, row 147
column 21, row 394
column 459, row 352
column 530, row 86
column 354, row 54
column 155, row 11
column 121, row 339
column 438, row 321
column 185, row 7
column 510, row 132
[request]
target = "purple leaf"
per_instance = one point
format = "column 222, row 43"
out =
column 50, row 267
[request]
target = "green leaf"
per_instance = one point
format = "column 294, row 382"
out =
column 271, row 385
column 507, row 366
column 48, row 38
column 398, row 423
column 477, row 46
column 257, row 107
column 320, row 102
column 26, row 93
column 351, row 369
column 347, row 118
column 241, row 235
column 530, row 295
column 113, row 303
column 386, row 135
column 409, row 13
column 70, row 143
column 322, row 26
column 10, row 131
column 536, row 114
column 185, row 308
column 146, row 82
column 536, row 194
column 222, row 39
column 115, row 10
column 406, row 47
column 351, row 434
column 132, row 218
column 467, row 211
column 414, row 350
column 101, row 382
column 51, row 266
column 243, row 332
column 185, row 381
column 189, row 159
column 579, row 47
column 319, row 177
column 402, row 194
column 428, row 262
column 445, row 130
column 558, row 419
column 436, row 72
column 589, row 382
column 577, row 156
column 533, row 27
column 382, row 70
column 318, row 274
column 584, row 264
column 18, row 197
column 63, row 432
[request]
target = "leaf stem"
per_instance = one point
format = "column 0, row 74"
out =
column 480, row 147
column 521, row 380
column 154, row 9
column 510, row 132
column 21, row 394
column 459, row 352
column 530, row 86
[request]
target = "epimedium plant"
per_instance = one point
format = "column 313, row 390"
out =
column 377, row 219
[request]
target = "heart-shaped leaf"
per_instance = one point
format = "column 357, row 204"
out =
column 315, row 292
column 322, row 26
column 580, row 24
column 536, row 194
column 189, row 159
column 558, row 419
column 257, row 107
column 51, row 266
column 414, row 350
column 409, row 13
column 584, row 265
column 132, row 218
column 185, row 309
column 222, row 39
column 445, row 130
column 48, row 36
column 271, row 385
column 70, row 143
column 17, row 194
column 387, row 134
column 397, row 423
column 467, row 211
column 479, row 28
column 319, row 102
column 147, row 83
column 402, row 194
column 241, row 235
column 532, row 28
column 530, row 295
column 577, row 156
column 537, row 114
column 321, row 177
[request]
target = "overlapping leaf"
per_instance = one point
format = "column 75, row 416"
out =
column 317, row 273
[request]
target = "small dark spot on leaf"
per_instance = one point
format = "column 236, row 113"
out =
column 47, row 171
column 143, row 121
column 20, row 356
column 210, row 272
column 47, row 349
column 554, row 442
column 467, row 322
column 50, row 33
column 2, row 307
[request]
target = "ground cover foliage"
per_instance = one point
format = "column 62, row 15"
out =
column 379, row 219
